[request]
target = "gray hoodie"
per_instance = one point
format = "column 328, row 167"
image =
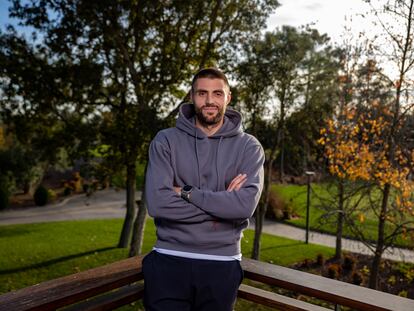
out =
column 212, row 222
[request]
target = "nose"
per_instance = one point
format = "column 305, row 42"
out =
column 209, row 98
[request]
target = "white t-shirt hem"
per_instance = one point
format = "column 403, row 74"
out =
column 197, row 255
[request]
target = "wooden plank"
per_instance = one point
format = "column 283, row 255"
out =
column 111, row 300
column 274, row 300
column 357, row 297
column 73, row 288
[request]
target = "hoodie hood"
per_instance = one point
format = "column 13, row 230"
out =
column 186, row 122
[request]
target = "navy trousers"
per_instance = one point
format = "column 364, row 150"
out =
column 182, row 284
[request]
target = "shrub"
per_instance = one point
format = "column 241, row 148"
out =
column 276, row 206
column 334, row 270
column 349, row 263
column 392, row 280
column 407, row 271
column 4, row 198
column 320, row 260
column 365, row 270
column 67, row 191
column 51, row 195
column 306, row 263
column 357, row 278
column 41, row 196
column 86, row 187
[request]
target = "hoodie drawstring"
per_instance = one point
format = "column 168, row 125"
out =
column 198, row 162
column 217, row 164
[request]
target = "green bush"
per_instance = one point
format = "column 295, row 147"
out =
column 52, row 195
column 4, row 198
column 67, row 191
column 41, row 196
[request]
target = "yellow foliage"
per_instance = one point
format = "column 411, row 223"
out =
column 356, row 147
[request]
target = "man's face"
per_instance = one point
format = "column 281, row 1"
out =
column 210, row 98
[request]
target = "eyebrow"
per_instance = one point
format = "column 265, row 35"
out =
column 204, row 90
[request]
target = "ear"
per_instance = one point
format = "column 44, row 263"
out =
column 229, row 98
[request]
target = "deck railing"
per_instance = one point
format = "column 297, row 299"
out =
column 120, row 283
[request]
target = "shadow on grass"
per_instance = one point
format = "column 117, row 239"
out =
column 55, row 261
column 8, row 231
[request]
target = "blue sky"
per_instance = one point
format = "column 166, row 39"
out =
column 4, row 17
column 4, row 12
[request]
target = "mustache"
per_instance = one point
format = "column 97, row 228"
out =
column 210, row 105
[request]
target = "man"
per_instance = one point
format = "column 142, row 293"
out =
column 203, row 182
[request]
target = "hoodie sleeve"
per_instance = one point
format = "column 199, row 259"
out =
column 236, row 205
column 162, row 201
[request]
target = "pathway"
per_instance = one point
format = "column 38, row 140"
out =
column 111, row 204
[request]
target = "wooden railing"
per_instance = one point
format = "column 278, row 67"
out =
column 120, row 283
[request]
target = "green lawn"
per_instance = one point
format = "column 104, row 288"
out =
column 296, row 195
column 33, row 253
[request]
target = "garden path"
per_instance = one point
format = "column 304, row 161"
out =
column 110, row 203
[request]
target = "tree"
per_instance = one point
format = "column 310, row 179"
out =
column 253, row 86
column 277, row 66
column 34, row 93
column 146, row 50
column 288, row 49
column 397, row 47
column 316, row 101
column 358, row 84
column 358, row 150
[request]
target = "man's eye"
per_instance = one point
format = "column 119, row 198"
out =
column 201, row 93
column 218, row 94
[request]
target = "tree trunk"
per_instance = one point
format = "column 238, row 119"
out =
column 32, row 185
column 373, row 277
column 139, row 224
column 340, row 220
column 261, row 211
column 281, row 136
column 130, row 213
column 258, row 227
column 282, row 157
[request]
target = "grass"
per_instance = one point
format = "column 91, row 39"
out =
column 295, row 196
column 34, row 253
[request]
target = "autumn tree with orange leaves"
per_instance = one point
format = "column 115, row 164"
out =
column 358, row 149
column 370, row 141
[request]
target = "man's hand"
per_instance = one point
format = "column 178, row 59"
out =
column 237, row 182
column 177, row 190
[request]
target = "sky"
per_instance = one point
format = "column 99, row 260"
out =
column 328, row 16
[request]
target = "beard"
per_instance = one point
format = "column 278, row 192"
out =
column 207, row 119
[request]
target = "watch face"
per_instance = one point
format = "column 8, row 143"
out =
column 187, row 188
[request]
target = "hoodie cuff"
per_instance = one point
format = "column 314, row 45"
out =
column 197, row 197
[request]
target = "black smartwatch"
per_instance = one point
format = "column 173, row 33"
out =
column 185, row 192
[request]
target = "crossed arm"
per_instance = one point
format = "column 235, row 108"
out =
column 237, row 202
column 235, row 184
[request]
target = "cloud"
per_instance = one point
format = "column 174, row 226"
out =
column 313, row 6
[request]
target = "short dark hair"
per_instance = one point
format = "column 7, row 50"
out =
column 212, row 73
